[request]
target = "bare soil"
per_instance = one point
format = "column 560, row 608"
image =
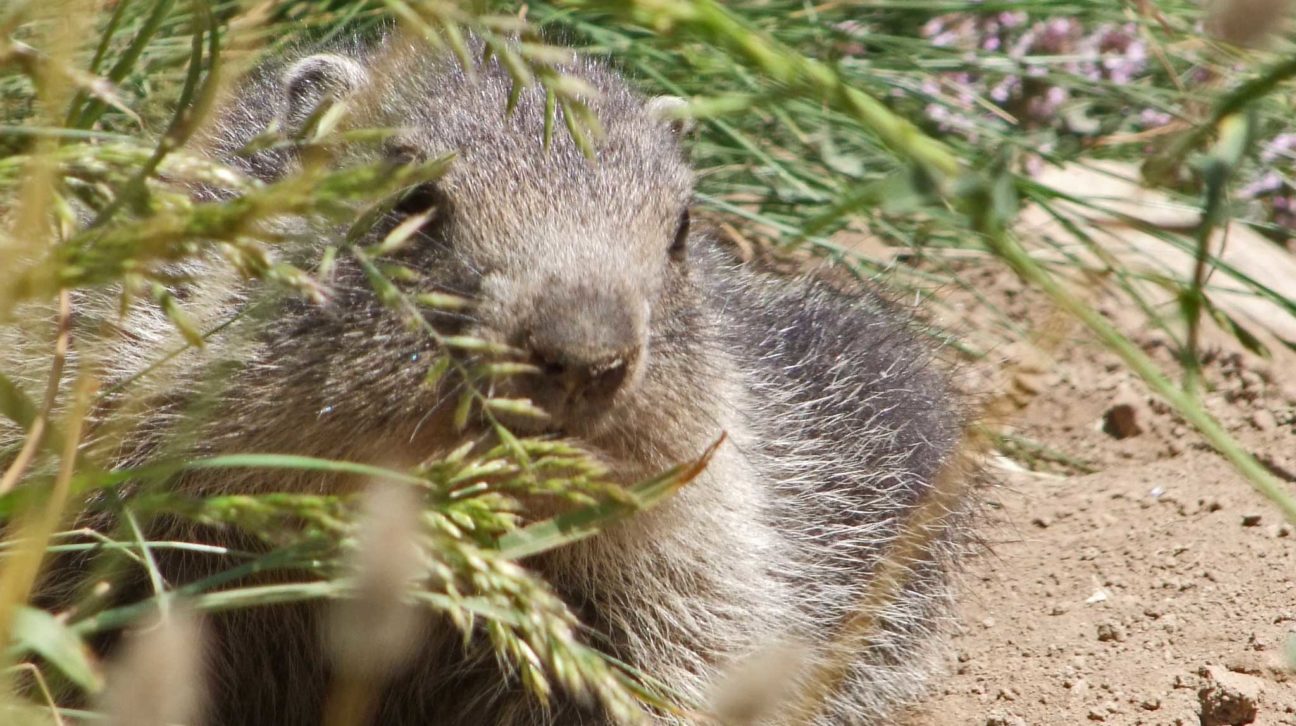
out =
column 1157, row 589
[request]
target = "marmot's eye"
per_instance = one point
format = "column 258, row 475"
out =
column 418, row 200
column 680, row 245
column 428, row 199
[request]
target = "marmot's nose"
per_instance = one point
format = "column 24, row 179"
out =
column 592, row 375
column 586, row 342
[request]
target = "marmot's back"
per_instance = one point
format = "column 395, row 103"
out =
column 855, row 423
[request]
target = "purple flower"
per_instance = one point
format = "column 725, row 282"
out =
column 1044, row 108
column 1005, row 89
column 1279, row 147
column 945, row 39
column 1267, row 184
column 1011, row 19
column 1150, row 118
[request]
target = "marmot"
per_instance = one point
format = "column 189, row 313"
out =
column 652, row 341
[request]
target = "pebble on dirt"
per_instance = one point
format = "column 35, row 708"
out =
column 1121, row 421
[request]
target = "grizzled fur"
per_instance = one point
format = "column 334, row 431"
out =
column 837, row 425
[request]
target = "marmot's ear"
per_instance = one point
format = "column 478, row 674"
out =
column 668, row 108
column 317, row 78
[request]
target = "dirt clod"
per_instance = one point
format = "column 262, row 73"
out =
column 1228, row 699
column 1110, row 632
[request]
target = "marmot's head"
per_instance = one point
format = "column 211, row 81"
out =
column 580, row 263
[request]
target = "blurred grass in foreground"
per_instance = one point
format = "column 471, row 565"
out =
column 914, row 124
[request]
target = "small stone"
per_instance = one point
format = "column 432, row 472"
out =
column 1006, row 719
column 1097, row 714
column 1279, row 530
column 1264, row 420
column 1250, row 520
column 988, row 623
column 1150, row 704
column 1041, row 522
column 1210, row 504
column 1255, row 643
column 1110, row 632
column 1121, row 421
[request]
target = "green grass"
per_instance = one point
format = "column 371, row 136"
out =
column 815, row 121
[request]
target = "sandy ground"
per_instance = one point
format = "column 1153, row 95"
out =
column 1157, row 589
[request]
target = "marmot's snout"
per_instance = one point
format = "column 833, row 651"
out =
column 588, row 343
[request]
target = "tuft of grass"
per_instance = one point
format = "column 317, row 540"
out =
column 918, row 123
